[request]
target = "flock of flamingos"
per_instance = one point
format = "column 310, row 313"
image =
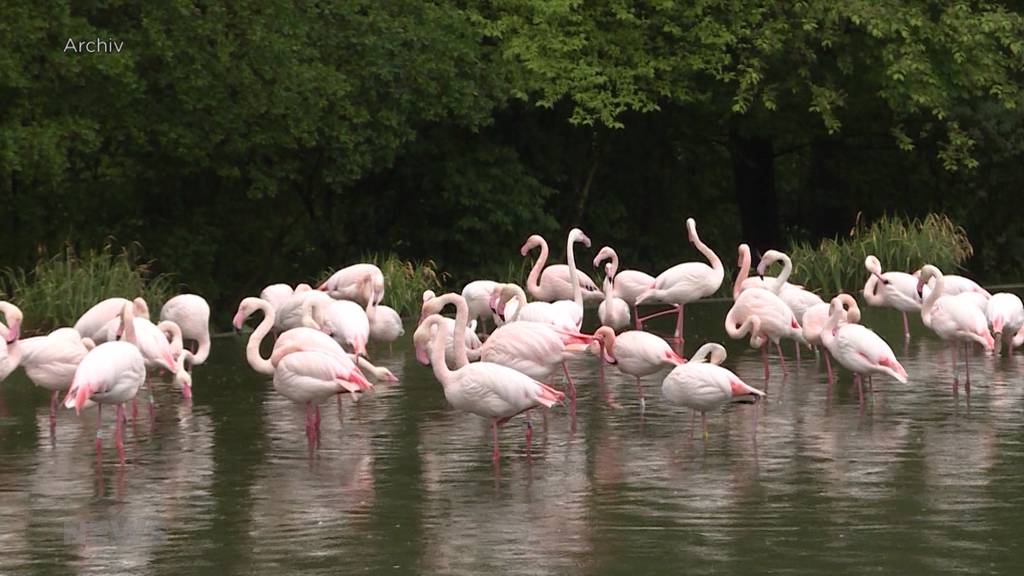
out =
column 321, row 335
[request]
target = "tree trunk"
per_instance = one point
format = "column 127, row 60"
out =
column 753, row 173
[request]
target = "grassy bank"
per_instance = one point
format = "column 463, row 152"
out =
column 61, row 287
column 904, row 244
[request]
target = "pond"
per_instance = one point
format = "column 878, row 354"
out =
column 919, row 481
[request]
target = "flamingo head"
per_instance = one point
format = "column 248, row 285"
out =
column 605, row 336
column 13, row 330
column 184, row 379
column 872, row 265
column 245, row 309
column 920, row 287
column 78, row 396
column 603, row 254
column 997, row 324
column 989, row 341
column 577, row 235
column 531, row 243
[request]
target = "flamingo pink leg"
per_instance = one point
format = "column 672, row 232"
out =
column 135, row 409
column 529, row 433
column 967, row 368
column 828, row 366
column 782, row 360
column 956, row 369
column 571, row 388
column 636, row 318
column 640, row 391
column 99, row 428
column 494, row 439
column 764, row 358
column 679, row 325
column 53, row 407
column 796, row 345
column 906, row 326
column 672, row 310
column 860, row 390
column 118, row 440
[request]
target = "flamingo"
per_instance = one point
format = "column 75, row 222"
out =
column 94, row 323
column 182, row 379
column 704, row 386
column 346, row 284
column 304, row 376
column 487, row 389
column 276, row 294
column 10, row 329
column 762, row 315
column 536, row 311
column 536, row 349
column 626, row 284
column 613, row 311
column 891, row 290
column 172, row 332
column 348, row 322
column 386, row 325
column 110, row 373
column 954, row 285
column 954, row 319
column 817, row 316
column 50, row 361
column 478, row 297
column 150, row 340
column 638, row 354
column 687, row 282
column 555, row 283
column 798, row 299
column 858, row 349
column 1005, row 314
column 303, row 308
column 191, row 313
column 762, row 281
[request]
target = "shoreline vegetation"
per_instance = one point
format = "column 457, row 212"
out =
column 62, row 286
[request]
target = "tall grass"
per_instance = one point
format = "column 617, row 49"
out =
column 63, row 286
column 899, row 243
column 404, row 281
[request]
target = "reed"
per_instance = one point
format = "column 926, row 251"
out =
column 904, row 244
column 61, row 287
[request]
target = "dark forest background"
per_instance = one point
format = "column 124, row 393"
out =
column 244, row 143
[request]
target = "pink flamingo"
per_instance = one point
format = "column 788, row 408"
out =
column 613, row 311
column 687, row 282
column 110, row 373
column 150, row 340
column 704, row 386
column 817, row 316
column 94, row 323
column 638, row 354
column 859, row 349
column 561, row 317
column 798, row 299
column 191, row 313
column 536, row 349
column 11, row 330
column 954, row 285
column 891, row 290
column 764, row 316
column 1005, row 313
column 762, row 281
column 276, row 294
column 626, row 284
column 303, row 308
column 304, row 376
column 478, row 297
column 954, row 319
column 555, row 283
column 50, row 361
column 346, row 284
column 489, row 390
column 386, row 325
column 348, row 322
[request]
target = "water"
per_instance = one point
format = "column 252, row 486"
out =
column 919, row 482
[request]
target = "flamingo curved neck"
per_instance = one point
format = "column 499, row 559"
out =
column 461, row 322
column 927, row 273
column 787, row 269
column 252, row 348
column 744, row 272
column 533, row 280
column 713, row 259
column 570, row 258
column 128, row 323
column 520, row 297
column 203, row 351
column 437, row 361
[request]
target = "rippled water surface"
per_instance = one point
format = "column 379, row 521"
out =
column 920, row 481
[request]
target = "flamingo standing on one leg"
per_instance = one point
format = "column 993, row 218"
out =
column 626, row 284
column 486, row 389
column 817, row 316
column 891, row 290
column 858, row 348
column 704, row 386
column 638, row 354
column 954, row 319
column 1005, row 313
column 110, row 373
column 687, row 282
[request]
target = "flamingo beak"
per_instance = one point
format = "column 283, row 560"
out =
column 80, row 398
column 421, row 356
column 237, row 320
column 14, row 331
column 920, row 288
